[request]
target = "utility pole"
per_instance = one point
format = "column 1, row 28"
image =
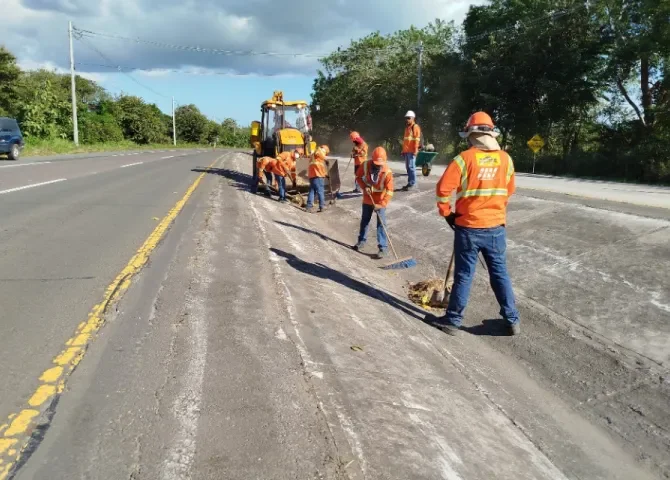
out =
column 75, row 125
column 174, row 125
column 418, row 93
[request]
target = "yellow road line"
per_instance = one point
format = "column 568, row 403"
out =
column 16, row 432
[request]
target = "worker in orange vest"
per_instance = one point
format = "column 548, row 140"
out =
column 359, row 154
column 284, row 166
column 483, row 177
column 411, row 144
column 376, row 179
column 265, row 167
column 317, row 172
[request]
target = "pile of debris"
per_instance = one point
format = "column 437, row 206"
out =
column 421, row 293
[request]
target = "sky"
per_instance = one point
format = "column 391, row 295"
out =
column 198, row 50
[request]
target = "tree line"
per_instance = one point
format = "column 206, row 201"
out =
column 592, row 78
column 41, row 101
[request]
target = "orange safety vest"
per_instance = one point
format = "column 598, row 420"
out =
column 412, row 139
column 382, row 189
column 360, row 154
column 265, row 164
column 284, row 164
column 317, row 165
column 484, row 181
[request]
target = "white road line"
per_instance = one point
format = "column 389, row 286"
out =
column 23, row 164
column 169, row 156
column 131, row 164
column 32, row 186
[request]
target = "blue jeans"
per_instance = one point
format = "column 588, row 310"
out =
column 316, row 188
column 268, row 178
column 492, row 242
column 368, row 211
column 410, row 165
column 281, row 183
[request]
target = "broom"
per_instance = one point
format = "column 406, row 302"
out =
column 400, row 263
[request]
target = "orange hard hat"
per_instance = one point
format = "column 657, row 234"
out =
column 354, row 135
column 379, row 156
column 479, row 122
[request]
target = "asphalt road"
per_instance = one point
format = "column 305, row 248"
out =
column 255, row 344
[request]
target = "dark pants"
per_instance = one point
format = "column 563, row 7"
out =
column 492, row 242
column 368, row 211
column 316, row 188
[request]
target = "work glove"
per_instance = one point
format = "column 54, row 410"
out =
column 377, row 208
column 451, row 220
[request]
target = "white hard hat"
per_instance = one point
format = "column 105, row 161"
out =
column 410, row 114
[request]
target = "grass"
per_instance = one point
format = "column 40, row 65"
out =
column 36, row 148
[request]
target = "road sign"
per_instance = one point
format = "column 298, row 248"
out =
column 536, row 143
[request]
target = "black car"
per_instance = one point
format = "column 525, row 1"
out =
column 11, row 139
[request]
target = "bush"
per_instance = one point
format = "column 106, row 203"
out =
column 95, row 128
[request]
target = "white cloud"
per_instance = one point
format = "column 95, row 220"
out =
column 38, row 31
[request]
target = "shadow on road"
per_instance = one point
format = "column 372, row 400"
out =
column 489, row 328
column 322, row 271
column 240, row 180
column 321, row 236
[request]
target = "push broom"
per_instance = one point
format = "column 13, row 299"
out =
column 400, row 263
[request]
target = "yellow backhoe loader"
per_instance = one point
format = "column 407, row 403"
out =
column 274, row 134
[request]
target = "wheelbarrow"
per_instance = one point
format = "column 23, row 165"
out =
column 425, row 161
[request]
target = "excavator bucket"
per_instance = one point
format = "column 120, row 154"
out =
column 332, row 182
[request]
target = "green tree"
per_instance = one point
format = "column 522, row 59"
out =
column 140, row 123
column 192, row 125
column 9, row 74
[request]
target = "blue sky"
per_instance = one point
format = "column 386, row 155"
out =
column 217, row 96
column 154, row 36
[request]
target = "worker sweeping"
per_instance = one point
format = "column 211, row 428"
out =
column 317, row 172
column 265, row 167
column 359, row 154
column 411, row 144
column 483, row 177
column 284, row 165
column 376, row 179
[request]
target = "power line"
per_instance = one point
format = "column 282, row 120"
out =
column 105, row 57
column 122, row 69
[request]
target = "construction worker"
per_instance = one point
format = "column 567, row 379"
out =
column 284, row 165
column 411, row 144
column 317, row 172
column 376, row 179
column 359, row 154
column 483, row 177
column 265, row 168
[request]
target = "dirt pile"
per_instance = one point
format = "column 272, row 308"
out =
column 421, row 293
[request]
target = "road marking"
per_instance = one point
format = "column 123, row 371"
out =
column 24, row 164
column 16, row 189
column 169, row 156
column 20, row 426
column 131, row 164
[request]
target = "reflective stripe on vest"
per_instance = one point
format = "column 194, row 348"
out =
column 411, row 136
column 485, row 192
column 510, row 168
column 381, row 181
column 464, row 176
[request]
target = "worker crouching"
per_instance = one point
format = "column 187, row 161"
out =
column 376, row 179
column 265, row 167
column 483, row 177
column 317, row 172
column 284, row 166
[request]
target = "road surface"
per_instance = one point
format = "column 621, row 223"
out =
column 204, row 332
